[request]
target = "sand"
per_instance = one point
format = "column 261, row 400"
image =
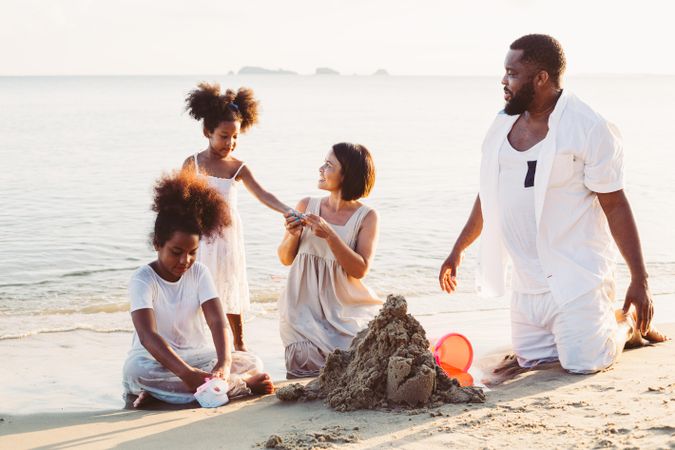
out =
column 388, row 364
column 630, row 406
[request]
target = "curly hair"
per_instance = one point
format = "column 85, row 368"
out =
column 185, row 202
column 358, row 170
column 208, row 104
column 543, row 51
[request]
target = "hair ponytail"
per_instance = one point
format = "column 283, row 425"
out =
column 208, row 104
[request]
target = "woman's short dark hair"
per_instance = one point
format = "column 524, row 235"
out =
column 358, row 170
column 208, row 104
column 185, row 202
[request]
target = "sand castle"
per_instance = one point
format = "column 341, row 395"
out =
column 388, row 365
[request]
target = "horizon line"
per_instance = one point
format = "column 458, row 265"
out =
column 272, row 74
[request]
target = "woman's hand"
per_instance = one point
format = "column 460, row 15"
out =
column 294, row 222
column 195, row 378
column 320, row 227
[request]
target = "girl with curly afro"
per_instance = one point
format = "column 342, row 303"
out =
column 171, row 354
column 224, row 117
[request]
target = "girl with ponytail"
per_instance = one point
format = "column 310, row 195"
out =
column 171, row 355
column 224, row 117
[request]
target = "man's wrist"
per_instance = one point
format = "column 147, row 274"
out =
column 457, row 250
column 640, row 277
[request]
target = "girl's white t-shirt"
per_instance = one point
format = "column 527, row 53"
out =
column 177, row 305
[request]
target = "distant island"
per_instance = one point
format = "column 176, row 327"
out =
column 326, row 71
column 381, row 72
column 253, row 70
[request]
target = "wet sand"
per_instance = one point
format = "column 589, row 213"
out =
column 629, row 406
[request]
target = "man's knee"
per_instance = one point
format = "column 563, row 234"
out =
column 587, row 357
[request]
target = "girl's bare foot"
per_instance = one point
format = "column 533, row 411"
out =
column 260, row 383
column 240, row 346
column 142, row 399
column 237, row 327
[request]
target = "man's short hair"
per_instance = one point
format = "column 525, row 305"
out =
column 544, row 52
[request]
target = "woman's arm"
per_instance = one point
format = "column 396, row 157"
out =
column 146, row 328
column 355, row 263
column 215, row 319
column 266, row 198
column 288, row 248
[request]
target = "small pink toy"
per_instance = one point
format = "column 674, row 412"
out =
column 213, row 393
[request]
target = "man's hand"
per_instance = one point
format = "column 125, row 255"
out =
column 447, row 277
column 639, row 296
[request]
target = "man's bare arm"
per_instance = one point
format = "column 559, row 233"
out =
column 474, row 225
column 625, row 234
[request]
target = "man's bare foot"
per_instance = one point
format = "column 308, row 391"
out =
column 260, row 383
column 654, row 336
column 635, row 338
column 506, row 369
column 142, row 399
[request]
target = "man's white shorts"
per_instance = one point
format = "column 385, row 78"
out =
column 581, row 334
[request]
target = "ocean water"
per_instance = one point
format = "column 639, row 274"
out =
column 80, row 154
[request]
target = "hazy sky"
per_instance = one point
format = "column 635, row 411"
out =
column 445, row 37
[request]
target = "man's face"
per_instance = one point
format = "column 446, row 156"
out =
column 518, row 84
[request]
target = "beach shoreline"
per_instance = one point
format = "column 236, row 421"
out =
column 82, row 370
column 624, row 407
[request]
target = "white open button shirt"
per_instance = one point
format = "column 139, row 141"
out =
column 582, row 154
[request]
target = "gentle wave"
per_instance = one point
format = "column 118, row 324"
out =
column 90, row 309
column 77, row 273
column 93, row 329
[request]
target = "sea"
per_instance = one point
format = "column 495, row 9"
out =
column 79, row 157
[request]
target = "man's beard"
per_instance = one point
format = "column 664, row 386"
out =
column 521, row 100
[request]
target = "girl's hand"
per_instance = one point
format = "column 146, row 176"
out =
column 320, row 227
column 294, row 222
column 195, row 378
column 220, row 370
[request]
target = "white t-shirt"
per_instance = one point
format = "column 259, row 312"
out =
column 516, row 208
column 581, row 155
column 177, row 305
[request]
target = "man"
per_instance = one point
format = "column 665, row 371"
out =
column 551, row 199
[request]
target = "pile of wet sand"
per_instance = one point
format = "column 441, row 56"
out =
column 327, row 437
column 388, row 365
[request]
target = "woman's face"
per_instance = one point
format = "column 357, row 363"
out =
column 177, row 255
column 223, row 139
column 330, row 174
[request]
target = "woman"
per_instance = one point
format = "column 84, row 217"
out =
column 330, row 244
column 171, row 355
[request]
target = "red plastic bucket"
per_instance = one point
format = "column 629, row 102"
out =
column 454, row 354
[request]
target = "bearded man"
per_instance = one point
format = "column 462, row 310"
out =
column 551, row 201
